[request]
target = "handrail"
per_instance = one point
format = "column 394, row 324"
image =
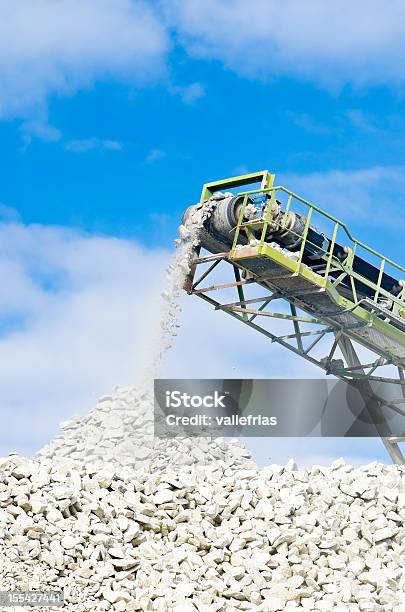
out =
column 328, row 216
column 345, row 266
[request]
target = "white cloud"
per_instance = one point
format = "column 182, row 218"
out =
column 189, row 93
column 57, row 47
column 39, row 128
column 91, row 144
column 362, row 122
column 331, row 43
column 309, row 123
column 79, row 316
column 75, row 321
column 155, row 155
column 372, row 194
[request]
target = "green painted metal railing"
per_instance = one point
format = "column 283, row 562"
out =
column 330, row 261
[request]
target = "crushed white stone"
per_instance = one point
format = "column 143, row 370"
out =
column 88, row 440
column 219, row 536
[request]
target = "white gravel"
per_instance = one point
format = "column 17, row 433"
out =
column 220, row 536
column 119, row 430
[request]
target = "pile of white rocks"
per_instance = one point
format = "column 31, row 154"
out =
column 213, row 537
column 120, row 431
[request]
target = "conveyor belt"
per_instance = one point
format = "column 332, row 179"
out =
column 349, row 297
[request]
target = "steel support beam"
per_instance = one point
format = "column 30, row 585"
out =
column 372, row 403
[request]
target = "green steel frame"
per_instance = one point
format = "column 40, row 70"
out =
column 365, row 316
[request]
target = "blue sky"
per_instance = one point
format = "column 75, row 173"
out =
column 117, row 150
column 112, row 116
